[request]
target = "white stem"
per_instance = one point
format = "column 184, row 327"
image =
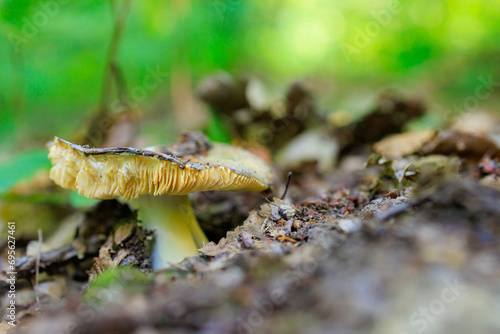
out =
column 178, row 234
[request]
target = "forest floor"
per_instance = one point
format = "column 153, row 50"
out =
column 403, row 240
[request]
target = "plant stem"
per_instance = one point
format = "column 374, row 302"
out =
column 178, row 234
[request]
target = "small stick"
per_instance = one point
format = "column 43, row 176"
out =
column 37, row 270
column 289, row 176
column 284, row 238
column 400, row 209
column 177, row 266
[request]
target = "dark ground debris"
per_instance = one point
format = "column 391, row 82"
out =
column 306, row 268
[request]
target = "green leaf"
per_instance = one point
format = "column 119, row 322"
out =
column 81, row 202
column 217, row 130
column 22, row 167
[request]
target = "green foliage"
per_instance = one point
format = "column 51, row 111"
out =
column 217, row 130
column 22, row 167
column 54, row 53
column 78, row 201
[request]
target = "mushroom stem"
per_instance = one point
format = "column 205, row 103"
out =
column 178, row 234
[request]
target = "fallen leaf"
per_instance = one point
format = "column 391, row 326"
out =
column 399, row 145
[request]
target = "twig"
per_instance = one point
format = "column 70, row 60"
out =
column 121, row 86
column 423, row 198
column 18, row 88
column 284, row 238
column 26, row 265
column 37, row 270
column 177, row 266
column 93, row 129
column 111, row 58
column 400, row 209
column 289, row 177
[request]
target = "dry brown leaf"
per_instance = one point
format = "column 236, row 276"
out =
column 465, row 145
column 124, row 232
column 402, row 144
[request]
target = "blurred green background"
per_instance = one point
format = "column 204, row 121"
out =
column 53, row 55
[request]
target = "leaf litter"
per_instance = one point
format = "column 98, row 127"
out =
column 369, row 246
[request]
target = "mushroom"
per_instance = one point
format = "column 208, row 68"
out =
column 142, row 175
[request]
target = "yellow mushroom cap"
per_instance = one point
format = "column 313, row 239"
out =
column 129, row 172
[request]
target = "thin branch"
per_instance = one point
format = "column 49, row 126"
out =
column 121, row 86
column 94, row 132
column 37, row 270
column 121, row 16
column 17, row 84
